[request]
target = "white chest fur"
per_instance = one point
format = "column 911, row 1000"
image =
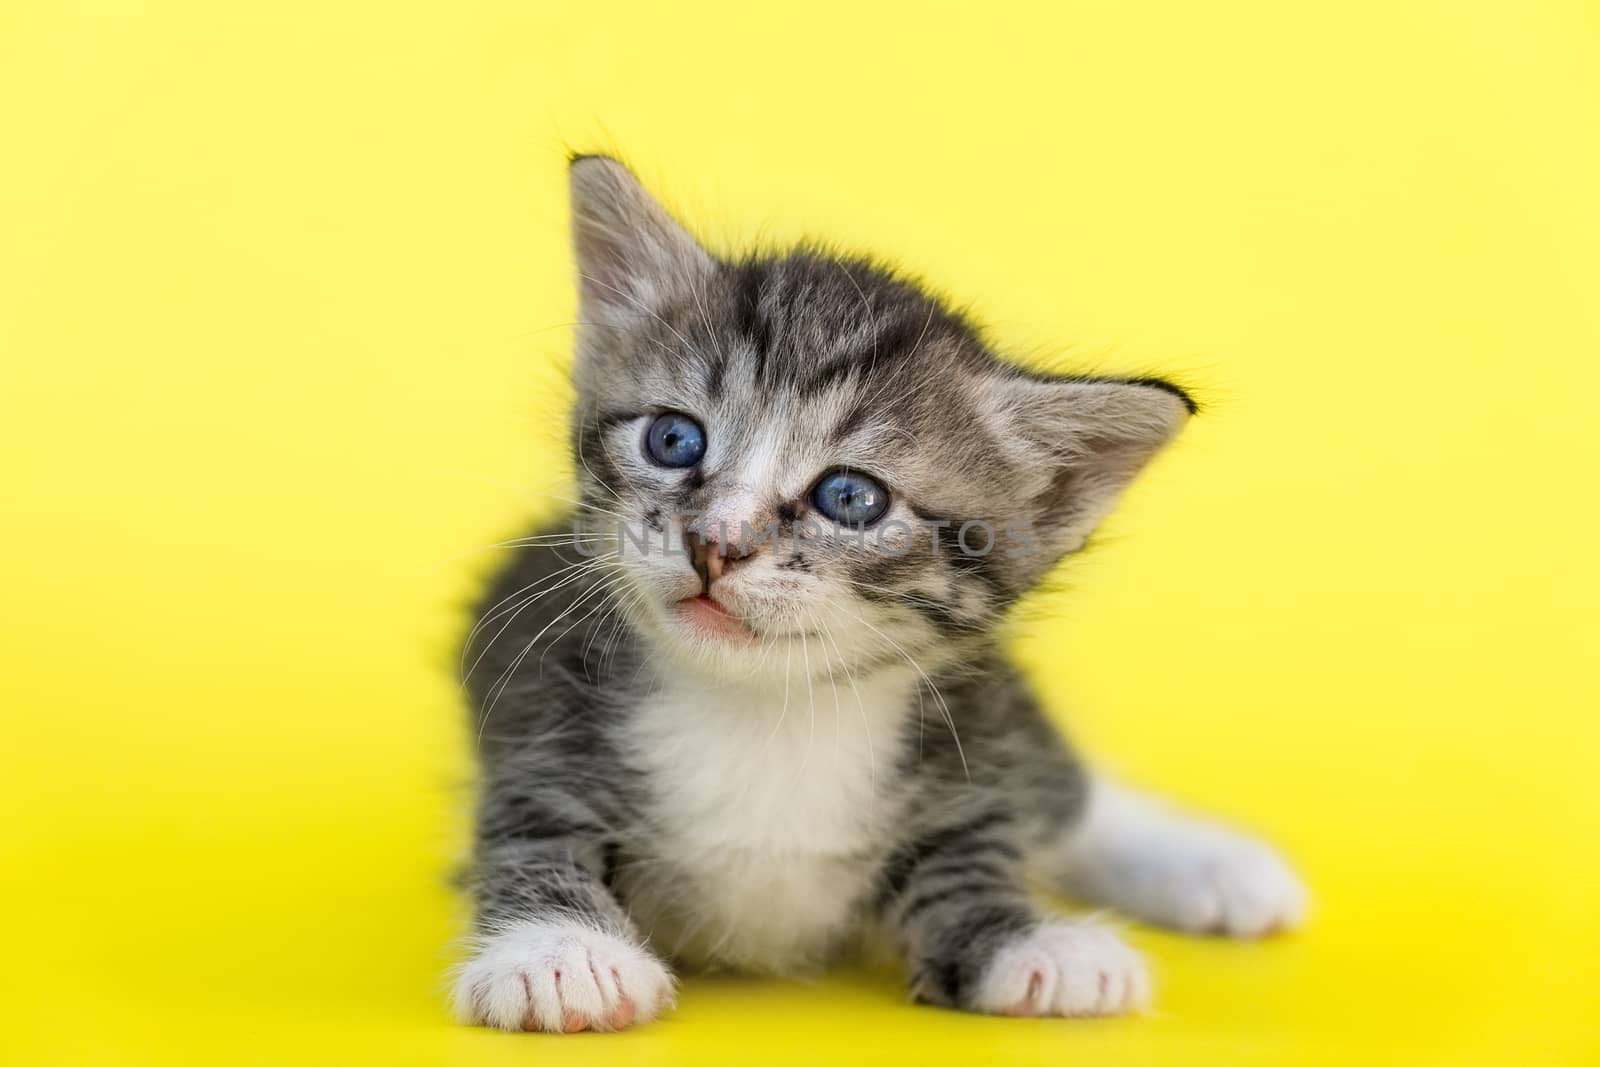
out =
column 768, row 811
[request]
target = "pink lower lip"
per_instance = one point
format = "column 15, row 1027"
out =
column 709, row 616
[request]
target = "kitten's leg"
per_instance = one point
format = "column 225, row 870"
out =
column 555, row 951
column 971, row 938
column 1133, row 854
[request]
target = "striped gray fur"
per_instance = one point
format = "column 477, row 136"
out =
column 605, row 728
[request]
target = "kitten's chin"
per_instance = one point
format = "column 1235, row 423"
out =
column 702, row 635
column 705, row 618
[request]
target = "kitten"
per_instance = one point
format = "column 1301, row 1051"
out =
column 751, row 708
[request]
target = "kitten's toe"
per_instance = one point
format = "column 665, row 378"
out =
column 561, row 978
column 1064, row 968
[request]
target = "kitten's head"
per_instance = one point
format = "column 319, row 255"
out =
column 804, row 456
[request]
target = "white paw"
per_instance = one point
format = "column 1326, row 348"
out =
column 561, row 977
column 1065, row 968
column 1232, row 885
column 1140, row 857
column 1199, row 878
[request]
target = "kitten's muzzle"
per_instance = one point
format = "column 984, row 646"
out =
column 711, row 557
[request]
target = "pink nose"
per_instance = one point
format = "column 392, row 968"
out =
column 712, row 557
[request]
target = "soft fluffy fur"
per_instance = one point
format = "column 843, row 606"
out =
column 869, row 761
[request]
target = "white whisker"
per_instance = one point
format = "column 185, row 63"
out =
column 938, row 696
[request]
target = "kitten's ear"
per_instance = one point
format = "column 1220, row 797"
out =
column 631, row 254
column 1085, row 439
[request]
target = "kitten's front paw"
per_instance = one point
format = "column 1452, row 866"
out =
column 1064, row 968
column 561, row 977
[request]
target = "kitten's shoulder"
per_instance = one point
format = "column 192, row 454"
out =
column 999, row 735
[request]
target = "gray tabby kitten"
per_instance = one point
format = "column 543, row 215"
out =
column 756, row 710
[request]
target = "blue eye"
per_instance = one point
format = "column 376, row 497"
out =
column 675, row 440
column 850, row 499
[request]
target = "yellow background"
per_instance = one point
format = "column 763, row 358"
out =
column 284, row 320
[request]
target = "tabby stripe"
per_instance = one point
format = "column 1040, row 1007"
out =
column 900, row 867
column 920, row 902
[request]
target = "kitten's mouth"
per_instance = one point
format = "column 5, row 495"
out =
column 711, row 619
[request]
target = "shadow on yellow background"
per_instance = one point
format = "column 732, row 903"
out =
column 284, row 319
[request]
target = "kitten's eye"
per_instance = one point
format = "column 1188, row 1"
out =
column 675, row 440
column 850, row 499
